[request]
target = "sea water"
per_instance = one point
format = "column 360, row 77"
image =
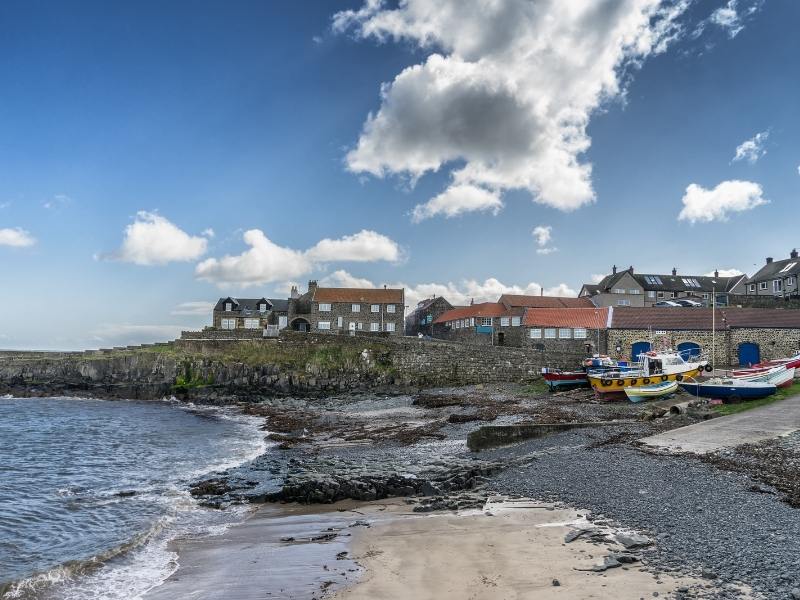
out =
column 93, row 491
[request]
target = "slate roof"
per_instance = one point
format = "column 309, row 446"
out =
column 241, row 304
column 512, row 300
column 279, row 304
column 359, row 295
column 676, row 283
column 589, row 318
column 679, row 318
column 774, row 270
column 482, row 309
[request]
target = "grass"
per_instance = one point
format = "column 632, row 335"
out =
column 537, row 387
column 781, row 394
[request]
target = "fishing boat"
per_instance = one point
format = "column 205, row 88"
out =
column 729, row 389
column 778, row 376
column 652, row 368
column 646, row 392
column 793, row 361
column 557, row 378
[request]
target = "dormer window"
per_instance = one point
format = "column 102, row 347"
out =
column 262, row 307
column 228, row 306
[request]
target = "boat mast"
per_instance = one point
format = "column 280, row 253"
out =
column 713, row 325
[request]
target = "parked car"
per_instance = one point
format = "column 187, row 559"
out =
column 667, row 303
column 687, row 302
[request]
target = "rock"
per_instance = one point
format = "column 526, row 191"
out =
column 556, row 583
column 608, row 563
column 574, row 535
column 796, row 594
column 633, row 540
column 429, row 489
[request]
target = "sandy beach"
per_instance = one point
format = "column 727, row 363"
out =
column 352, row 551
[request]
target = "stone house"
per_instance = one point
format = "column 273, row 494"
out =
column 488, row 323
column 529, row 301
column 776, row 279
column 348, row 310
column 249, row 313
column 421, row 319
column 572, row 331
column 628, row 288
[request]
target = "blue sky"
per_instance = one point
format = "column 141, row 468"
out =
column 176, row 119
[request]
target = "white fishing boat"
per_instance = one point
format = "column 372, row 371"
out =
column 779, row 376
column 652, row 368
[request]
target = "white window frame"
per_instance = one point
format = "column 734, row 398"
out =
column 252, row 323
column 505, row 322
column 262, row 307
column 790, row 280
column 283, row 321
column 660, row 294
column 550, row 333
column 375, row 308
column 360, row 326
column 228, row 307
column 634, row 292
column 355, row 308
column 515, row 321
column 618, row 291
column 777, row 285
column 374, row 326
column 651, row 294
column 486, row 321
column 763, row 285
column 580, row 333
column 339, row 322
column 535, row 333
column 389, row 327
column 752, row 287
column 472, row 321
column 324, row 307
column 324, row 325
column 705, row 295
column 390, row 308
column 564, row 333
column 623, row 302
column 228, row 324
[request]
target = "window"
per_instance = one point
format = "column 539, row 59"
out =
column 752, row 287
column 762, row 285
column 515, row 321
column 634, row 292
column 390, row 308
column 705, row 295
column 660, row 294
column 777, row 285
column 324, row 307
column 789, row 281
column 550, row 334
column 788, row 267
column 623, row 302
column 283, row 321
column 390, row 327
column 339, row 322
column 324, row 325
column 536, row 334
column 374, row 326
column 472, row 321
column 486, row 321
column 618, row 291
column 651, row 294
column 653, row 279
column 252, row 323
column 376, row 308
column 355, row 308
column 360, row 326
column 580, row 333
column 504, row 321
column 228, row 324
column 228, row 307
column 262, row 307
column 565, row 333
column 674, row 294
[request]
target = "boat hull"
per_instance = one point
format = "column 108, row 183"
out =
column 778, row 376
column 648, row 392
column 729, row 392
column 616, row 385
column 565, row 379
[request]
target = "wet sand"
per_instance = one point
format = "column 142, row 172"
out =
column 517, row 550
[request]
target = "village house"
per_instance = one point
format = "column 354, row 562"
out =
column 489, row 323
column 776, row 279
column 420, row 320
column 558, row 331
column 250, row 313
column 541, row 301
column 628, row 288
column 348, row 310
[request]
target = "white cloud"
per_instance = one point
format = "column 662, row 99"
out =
column 505, row 94
column 57, row 201
column 700, row 204
column 725, row 273
column 266, row 262
column 197, row 308
column 543, row 234
column 597, row 277
column 798, row 169
column 546, row 251
column 457, row 200
column 16, row 237
column 208, row 232
column 344, row 279
column 364, row 246
column 153, row 240
column 753, row 149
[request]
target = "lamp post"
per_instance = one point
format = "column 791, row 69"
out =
column 713, row 325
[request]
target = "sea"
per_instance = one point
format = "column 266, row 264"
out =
column 92, row 492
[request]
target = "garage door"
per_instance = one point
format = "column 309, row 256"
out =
column 689, row 350
column 749, row 354
column 639, row 348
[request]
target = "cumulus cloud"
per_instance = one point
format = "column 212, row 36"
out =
column 344, row 279
column 208, row 232
column 596, row 277
column 364, row 246
column 457, row 200
column 505, row 94
column 700, row 204
column 266, row 262
column 725, row 273
column 16, row 237
column 753, row 149
column 153, row 240
column 196, row 308
column 543, row 235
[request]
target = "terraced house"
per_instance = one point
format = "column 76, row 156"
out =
column 250, row 313
column 777, row 278
column 348, row 310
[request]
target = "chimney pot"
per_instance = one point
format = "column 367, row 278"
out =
column 769, row 260
column 614, row 270
column 631, row 269
column 674, row 271
column 716, row 273
column 793, row 253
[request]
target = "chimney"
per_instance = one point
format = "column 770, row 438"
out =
column 471, row 301
column 541, row 291
column 294, row 294
column 674, row 271
column 384, row 286
column 793, row 253
column 312, row 286
column 716, row 273
column 769, row 260
column 614, row 270
column 631, row 269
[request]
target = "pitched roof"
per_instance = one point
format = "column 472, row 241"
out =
column 366, row 295
column 241, row 304
column 512, row 300
column 679, row 318
column 279, row 304
column 483, row 309
column 775, row 269
column 424, row 304
column 589, row 318
column 680, row 283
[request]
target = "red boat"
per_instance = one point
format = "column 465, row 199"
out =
column 556, row 378
column 763, row 367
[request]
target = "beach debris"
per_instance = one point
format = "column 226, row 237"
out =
column 556, row 583
column 633, row 540
column 342, row 555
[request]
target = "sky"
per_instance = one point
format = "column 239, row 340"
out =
column 157, row 156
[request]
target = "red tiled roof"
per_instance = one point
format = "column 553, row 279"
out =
column 675, row 318
column 378, row 296
column 484, row 309
column 589, row 318
column 545, row 301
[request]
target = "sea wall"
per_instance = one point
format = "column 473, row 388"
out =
column 294, row 364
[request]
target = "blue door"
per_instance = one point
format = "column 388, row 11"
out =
column 749, row 354
column 689, row 350
column 638, row 348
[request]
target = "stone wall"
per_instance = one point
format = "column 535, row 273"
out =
column 365, row 317
column 772, row 343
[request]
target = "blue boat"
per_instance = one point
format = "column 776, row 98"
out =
column 729, row 389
